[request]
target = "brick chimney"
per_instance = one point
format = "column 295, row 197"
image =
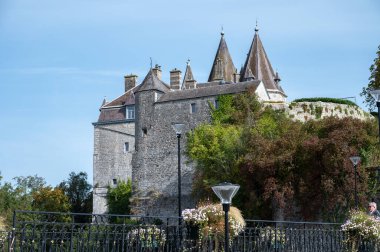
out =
column 175, row 78
column 157, row 71
column 130, row 81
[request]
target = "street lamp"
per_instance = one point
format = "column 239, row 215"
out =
column 178, row 127
column 355, row 161
column 376, row 96
column 225, row 192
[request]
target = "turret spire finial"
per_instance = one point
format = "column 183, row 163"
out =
column 222, row 32
column 257, row 27
column 151, row 63
column 188, row 62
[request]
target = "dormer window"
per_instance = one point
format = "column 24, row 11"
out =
column 130, row 112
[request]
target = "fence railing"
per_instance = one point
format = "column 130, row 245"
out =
column 43, row 231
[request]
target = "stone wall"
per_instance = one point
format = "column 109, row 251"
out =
column 112, row 162
column 303, row 111
column 155, row 169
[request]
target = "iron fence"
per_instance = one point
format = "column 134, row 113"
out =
column 44, row 231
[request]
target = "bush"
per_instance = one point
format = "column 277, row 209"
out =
column 325, row 99
column 210, row 220
column 362, row 226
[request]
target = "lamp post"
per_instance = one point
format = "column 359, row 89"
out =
column 376, row 96
column 355, row 161
column 178, row 127
column 225, row 192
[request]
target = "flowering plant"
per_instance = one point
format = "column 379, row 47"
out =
column 149, row 236
column 210, row 220
column 362, row 226
column 272, row 235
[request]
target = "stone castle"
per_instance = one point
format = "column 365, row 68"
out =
column 133, row 137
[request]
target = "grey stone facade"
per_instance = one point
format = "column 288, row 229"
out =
column 112, row 158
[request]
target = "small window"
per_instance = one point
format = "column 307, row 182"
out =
column 114, row 181
column 144, row 131
column 194, row 108
column 130, row 112
column 126, row 147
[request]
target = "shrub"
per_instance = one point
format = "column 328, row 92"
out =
column 362, row 226
column 210, row 220
column 326, row 99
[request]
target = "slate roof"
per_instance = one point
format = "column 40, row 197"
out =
column 207, row 91
column 151, row 82
column 222, row 67
column 115, row 110
column 258, row 63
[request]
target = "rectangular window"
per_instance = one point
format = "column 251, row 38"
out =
column 130, row 112
column 194, row 108
column 126, row 147
column 114, row 181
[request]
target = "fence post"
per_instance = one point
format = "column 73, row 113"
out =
column 72, row 233
column 13, row 233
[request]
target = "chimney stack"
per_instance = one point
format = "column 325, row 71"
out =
column 175, row 78
column 157, row 71
column 130, row 81
column 190, row 84
column 236, row 76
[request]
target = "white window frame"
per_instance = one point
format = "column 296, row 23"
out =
column 130, row 112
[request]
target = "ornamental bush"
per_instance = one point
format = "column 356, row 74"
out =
column 209, row 218
column 362, row 226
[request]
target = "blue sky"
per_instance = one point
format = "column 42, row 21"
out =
column 58, row 59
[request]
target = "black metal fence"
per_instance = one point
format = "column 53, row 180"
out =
column 43, row 231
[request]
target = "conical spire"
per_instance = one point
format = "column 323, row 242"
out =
column 188, row 75
column 223, row 68
column 258, row 64
column 151, row 82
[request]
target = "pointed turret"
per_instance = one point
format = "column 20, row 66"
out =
column 258, row 66
column 223, row 68
column 151, row 82
column 188, row 79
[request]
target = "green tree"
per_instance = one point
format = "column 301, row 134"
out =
column 118, row 198
column 374, row 82
column 282, row 164
column 51, row 200
column 79, row 193
column 18, row 196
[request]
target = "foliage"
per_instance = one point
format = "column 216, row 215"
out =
column 362, row 226
column 326, row 99
column 374, row 82
column 78, row 191
column 273, row 236
column 209, row 218
column 18, row 196
column 216, row 149
column 148, row 236
column 118, row 198
column 281, row 164
column 50, row 200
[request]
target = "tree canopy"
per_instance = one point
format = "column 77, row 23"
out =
column 374, row 82
column 281, row 164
